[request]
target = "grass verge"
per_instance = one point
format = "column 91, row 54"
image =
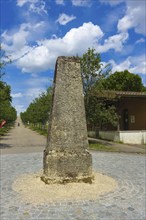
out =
column 42, row 132
column 92, row 146
column 101, row 147
column 4, row 130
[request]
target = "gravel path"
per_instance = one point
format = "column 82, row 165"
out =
column 127, row 202
column 22, row 140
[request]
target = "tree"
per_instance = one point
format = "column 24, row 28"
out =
column 99, row 111
column 5, row 91
column 38, row 110
column 123, row 81
column 7, row 112
column 92, row 70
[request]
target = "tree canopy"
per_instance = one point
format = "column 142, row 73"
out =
column 99, row 111
column 96, row 80
column 7, row 111
column 123, row 81
column 92, row 69
column 39, row 108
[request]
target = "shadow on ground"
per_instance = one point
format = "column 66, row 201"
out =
column 3, row 146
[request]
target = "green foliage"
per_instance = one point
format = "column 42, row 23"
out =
column 5, row 91
column 39, row 128
column 7, row 112
column 38, row 110
column 91, row 69
column 99, row 112
column 124, row 81
column 102, row 147
column 4, row 130
column 144, row 89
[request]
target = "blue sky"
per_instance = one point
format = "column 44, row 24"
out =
column 36, row 32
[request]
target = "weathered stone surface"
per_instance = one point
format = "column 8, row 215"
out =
column 66, row 157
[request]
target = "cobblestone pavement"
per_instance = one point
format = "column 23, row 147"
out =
column 128, row 202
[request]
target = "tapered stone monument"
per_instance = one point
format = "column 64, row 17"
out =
column 66, row 158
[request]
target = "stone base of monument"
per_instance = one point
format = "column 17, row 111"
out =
column 64, row 167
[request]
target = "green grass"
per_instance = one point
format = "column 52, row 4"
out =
column 3, row 131
column 119, row 142
column 42, row 132
column 101, row 147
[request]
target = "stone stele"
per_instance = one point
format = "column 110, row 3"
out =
column 66, row 158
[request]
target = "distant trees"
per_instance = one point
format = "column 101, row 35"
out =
column 38, row 110
column 7, row 111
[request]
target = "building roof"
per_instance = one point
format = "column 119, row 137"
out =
column 129, row 93
column 114, row 94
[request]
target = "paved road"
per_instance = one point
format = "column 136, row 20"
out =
column 128, row 202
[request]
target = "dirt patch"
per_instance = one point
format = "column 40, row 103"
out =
column 34, row 191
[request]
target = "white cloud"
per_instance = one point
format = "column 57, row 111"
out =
column 77, row 40
column 135, row 64
column 17, row 95
column 18, row 98
column 22, row 2
column 34, row 86
column 81, row 3
column 64, row 19
column 121, row 66
column 41, row 57
column 16, row 42
column 26, row 98
column 19, row 38
column 35, row 60
column 135, row 17
column 86, row 35
column 60, row 2
column 32, row 93
column 36, row 6
column 115, row 42
column 19, row 108
column 139, row 41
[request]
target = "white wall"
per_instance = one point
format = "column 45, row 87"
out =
column 109, row 135
column 127, row 137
